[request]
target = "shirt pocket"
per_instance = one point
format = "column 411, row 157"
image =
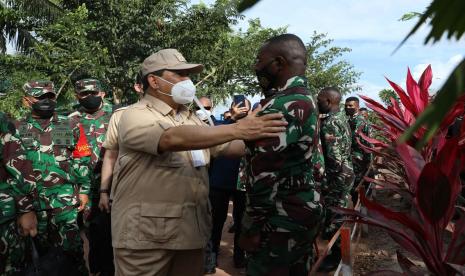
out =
column 171, row 160
column 159, row 222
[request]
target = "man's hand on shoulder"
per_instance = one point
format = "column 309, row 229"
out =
column 254, row 127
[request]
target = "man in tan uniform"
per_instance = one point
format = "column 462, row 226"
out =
column 161, row 219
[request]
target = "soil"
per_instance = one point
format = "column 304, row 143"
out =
column 376, row 250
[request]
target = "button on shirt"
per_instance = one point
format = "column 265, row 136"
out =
column 160, row 200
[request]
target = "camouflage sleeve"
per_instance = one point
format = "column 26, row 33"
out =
column 81, row 161
column 338, row 170
column 331, row 133
column 21, row 172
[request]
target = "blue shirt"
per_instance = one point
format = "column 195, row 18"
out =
column 224, row 171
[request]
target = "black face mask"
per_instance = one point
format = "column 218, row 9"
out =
column 91, row 102
column 265, row 78
column 350, row 111
column 44, row 108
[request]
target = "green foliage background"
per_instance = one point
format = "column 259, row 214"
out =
column 108, row 39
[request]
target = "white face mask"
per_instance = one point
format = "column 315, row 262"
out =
column 182, row 92
column 203, row 115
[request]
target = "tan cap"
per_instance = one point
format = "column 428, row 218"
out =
column 168, row 59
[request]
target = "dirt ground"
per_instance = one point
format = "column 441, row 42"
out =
column 376, row 250
column 225, row 257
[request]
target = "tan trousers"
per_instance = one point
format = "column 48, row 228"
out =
column 159, row 262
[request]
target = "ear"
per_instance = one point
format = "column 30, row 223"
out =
column 281, row 62
column 153, row 82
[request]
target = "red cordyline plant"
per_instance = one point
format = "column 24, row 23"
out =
column 396, row 119
column 432, row 180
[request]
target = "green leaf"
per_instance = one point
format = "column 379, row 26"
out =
column 435, row 112
column 446, row 17
column 246, row 4
column 410, row 16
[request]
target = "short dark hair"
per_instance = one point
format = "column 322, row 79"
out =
column 145, row 82
column 284, row 38
column 363, row 109
column 352, row 99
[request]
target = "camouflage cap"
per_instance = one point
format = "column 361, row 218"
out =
column 37, row 88
column 88, row 85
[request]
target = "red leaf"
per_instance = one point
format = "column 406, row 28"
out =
column 399, row 234
column 413, row 164
column 448, row 156
column 373, row 141
column 382, row 212
column 456, row 111
column 424, row 83
column 389, row 116
column 407, row 265
column 414, row 92
column 433, row 193
column 404, row 98
column 396, row 107
column 456, row 250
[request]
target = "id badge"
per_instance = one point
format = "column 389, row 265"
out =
column 198, row 158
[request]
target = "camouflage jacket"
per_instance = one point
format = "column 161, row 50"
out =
column 336, row 141
column 282, row 193
column 7, row 201
column 358, row 124
column 53, row 174
column 95, row 126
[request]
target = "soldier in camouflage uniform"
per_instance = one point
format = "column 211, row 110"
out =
column 11, row 244
column 358, row 124
column 284, row 212
column 94, row 115
column 56, row 180
column 336, row 140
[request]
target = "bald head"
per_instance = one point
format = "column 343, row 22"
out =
column 289, row 46
column 205, row 101
column 279, row 59
column 329, row 99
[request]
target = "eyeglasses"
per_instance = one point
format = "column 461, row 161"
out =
column 206, row 108
column 87, row 93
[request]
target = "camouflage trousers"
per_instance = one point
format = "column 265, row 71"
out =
column 336, row 197
column 360, row 169
column 58, row 228
column 282, row 254
column 12, row 248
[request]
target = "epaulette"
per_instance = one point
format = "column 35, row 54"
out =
column 121, row 109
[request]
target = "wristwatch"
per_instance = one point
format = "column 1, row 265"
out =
column 104, row 191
